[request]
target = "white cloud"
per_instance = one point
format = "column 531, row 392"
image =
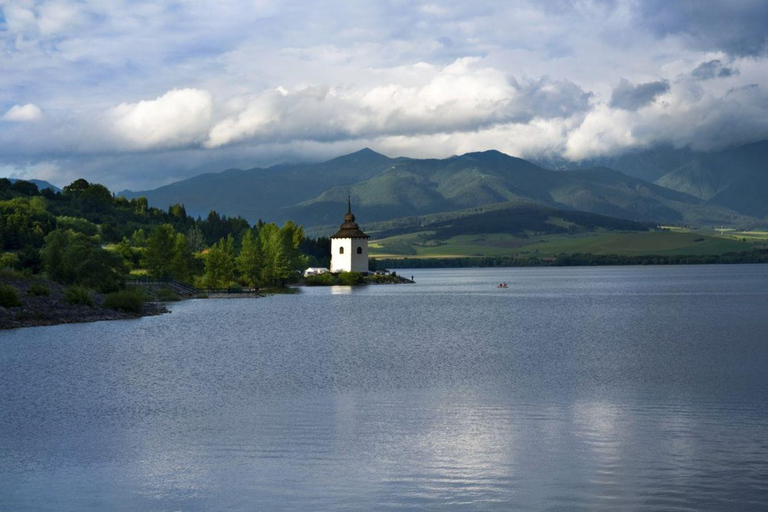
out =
column 23, row 113
column 177, row 118
column 464, row 95
column 604, row 131
column 252, row 82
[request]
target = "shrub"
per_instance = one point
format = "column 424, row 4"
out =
column 125, row 300
column 75, row 259
column 167, row 295
column 78, row 295
column 381, row 279
column 8, row 260
column 29, row 259
column 326, row 279
column 38, row 290
column 350, row 278
column 9, row 296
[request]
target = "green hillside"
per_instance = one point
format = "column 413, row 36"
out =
column 418, row 187
column 521, row 230
column 735, row 178
column 423, row 245
column 385, row 188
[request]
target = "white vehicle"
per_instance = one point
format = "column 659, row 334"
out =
column 315, row 271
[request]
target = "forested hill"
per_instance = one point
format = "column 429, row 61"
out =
column 385, row 188
column 84, row 236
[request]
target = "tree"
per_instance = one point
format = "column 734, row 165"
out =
column 160, row 249
column 74, row 258
column 181, row 260
column 177, row 210
column 276, row 269
column 293, row 236
column 250, row 260
column 220, row 263
column 129, row 255
column 140, row 205
column 195, row 239
column 139, row 238
column 53, row 254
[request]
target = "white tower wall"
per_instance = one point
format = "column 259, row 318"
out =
column 349, row 260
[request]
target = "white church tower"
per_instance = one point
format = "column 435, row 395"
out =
column 349, row 246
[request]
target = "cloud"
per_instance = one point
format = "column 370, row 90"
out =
column 23, row 113
column 130, row 88
column 712, row 69
column 177, row 118
column 627, row 96
column 464, row 95
column 736, row 27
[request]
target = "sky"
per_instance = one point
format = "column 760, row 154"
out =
column 137, row 94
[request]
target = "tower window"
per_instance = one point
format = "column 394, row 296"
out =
column 359, row 250
column 341, row 250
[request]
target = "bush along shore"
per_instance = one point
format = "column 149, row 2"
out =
column 353, row 279
column 35, row 301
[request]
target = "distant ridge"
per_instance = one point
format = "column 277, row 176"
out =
column 735, row 178
column 385, row 188
column 41, row 184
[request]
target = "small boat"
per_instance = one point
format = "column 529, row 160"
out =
column 502, row 285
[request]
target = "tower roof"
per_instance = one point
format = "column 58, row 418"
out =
column 349, row 229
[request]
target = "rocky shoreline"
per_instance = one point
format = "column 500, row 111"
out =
column 36, row 310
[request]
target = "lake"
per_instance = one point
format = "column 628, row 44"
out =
column 604, row 388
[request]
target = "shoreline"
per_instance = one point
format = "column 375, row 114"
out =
column 577, row 260
column 40, row 308
column 95, row 314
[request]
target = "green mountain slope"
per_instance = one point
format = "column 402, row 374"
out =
column 385, row 188
column 417, row 187
column 261, row 193
column 735, row 178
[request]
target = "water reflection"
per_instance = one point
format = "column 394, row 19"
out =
column 595, row 389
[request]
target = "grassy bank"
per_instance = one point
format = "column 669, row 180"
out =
column 666, row 242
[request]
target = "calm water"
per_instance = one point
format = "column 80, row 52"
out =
column 580, row 388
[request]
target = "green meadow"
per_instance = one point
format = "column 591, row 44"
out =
column 666, row 242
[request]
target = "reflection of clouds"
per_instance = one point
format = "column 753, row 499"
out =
column 170, row 466
column 445, row 447
column 677, row 439
column 598, row 425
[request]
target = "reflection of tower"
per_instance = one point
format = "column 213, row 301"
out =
column 349, row 246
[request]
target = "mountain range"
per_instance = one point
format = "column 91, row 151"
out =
column 41, row 184
column 736, row 178
column 662, row 186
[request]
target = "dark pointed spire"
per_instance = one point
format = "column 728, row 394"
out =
column 350, row 229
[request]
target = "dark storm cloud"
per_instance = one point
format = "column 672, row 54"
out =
column 737, row 27
column 628, row 96
column 712, row 69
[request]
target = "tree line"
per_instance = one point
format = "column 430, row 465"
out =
column 578, row 259
column 85, row 236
